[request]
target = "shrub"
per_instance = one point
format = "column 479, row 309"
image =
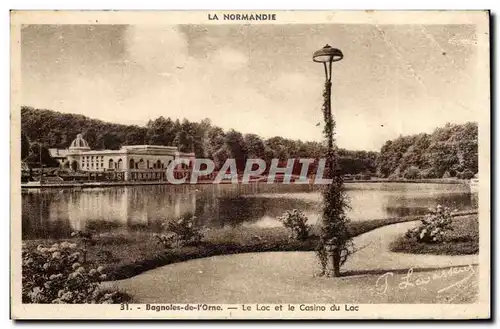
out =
column 466, row 174
column 412, row 173
column 180, row 231
column 57, row 275
column 428, row 173
column 447, row 174
column 433, row 227
column 296, row 221
column 166, row 240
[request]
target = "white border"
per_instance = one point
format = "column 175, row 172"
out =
column 150, row 4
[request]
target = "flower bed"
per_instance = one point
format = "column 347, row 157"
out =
column 462, row 239
column 55, row 274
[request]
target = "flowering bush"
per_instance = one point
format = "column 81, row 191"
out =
column 166, row 240
column 296, row 221
column 435, row 224
column 85, row 238
column 180, row 231
column 56, row 275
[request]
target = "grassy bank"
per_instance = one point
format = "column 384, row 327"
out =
column 462, row 240
column 126, row 255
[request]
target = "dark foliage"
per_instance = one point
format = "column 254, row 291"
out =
column 450, row 151
column 335, row 242
column 57, row 130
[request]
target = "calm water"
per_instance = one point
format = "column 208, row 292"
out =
column 57, row 212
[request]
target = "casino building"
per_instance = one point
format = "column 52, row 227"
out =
column 131, row 162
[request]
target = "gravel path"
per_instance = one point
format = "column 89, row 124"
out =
column 375, row 275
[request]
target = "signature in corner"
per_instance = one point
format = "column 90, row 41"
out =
column 409, row 281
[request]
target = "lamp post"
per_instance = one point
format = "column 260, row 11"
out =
column 327, row 55
column 335, row 240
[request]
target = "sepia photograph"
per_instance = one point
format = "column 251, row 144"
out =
column 221, row 165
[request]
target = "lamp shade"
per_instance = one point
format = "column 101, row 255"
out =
column 327, row 54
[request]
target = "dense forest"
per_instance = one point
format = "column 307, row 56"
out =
column 451, row 150
column 56, row 130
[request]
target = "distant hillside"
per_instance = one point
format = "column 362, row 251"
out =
column 54, row 129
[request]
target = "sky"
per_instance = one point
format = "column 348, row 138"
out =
column 394, row 79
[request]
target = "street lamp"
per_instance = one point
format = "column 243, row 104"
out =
column 327, row 55
column 334, row 239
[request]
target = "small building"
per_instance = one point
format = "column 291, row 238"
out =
column 130, row 162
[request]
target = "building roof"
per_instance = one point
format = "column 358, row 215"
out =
column 80, row 146
column 79, row 143
column 148, row 147
column 58, row 153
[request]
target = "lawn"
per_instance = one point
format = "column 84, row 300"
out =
column 462, row 240
column 126, row 255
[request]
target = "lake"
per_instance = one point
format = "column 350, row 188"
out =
column 56, row 212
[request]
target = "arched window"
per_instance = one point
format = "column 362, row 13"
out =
column 111, row 164
column 119, row 164
column 141, row 164
column 158, row 164
column 131, row 164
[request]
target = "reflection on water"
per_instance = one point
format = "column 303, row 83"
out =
column 57, row 212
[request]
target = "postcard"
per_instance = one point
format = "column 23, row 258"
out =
column 250, row 165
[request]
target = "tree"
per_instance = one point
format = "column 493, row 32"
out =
column 183, row 141
column 235, row 145
column 136, row 136
column 111, row 141
column 215, row 141
column 40, row 156
column 279, row 147
column 161, row 131
column 25, row 146
column 451, row 149
column 335, row 241
column 255, row 146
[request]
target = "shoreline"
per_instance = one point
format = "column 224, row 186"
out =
column 86, row 185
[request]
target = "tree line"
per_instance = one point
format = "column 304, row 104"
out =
column 57, row 130
column 449, row 151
